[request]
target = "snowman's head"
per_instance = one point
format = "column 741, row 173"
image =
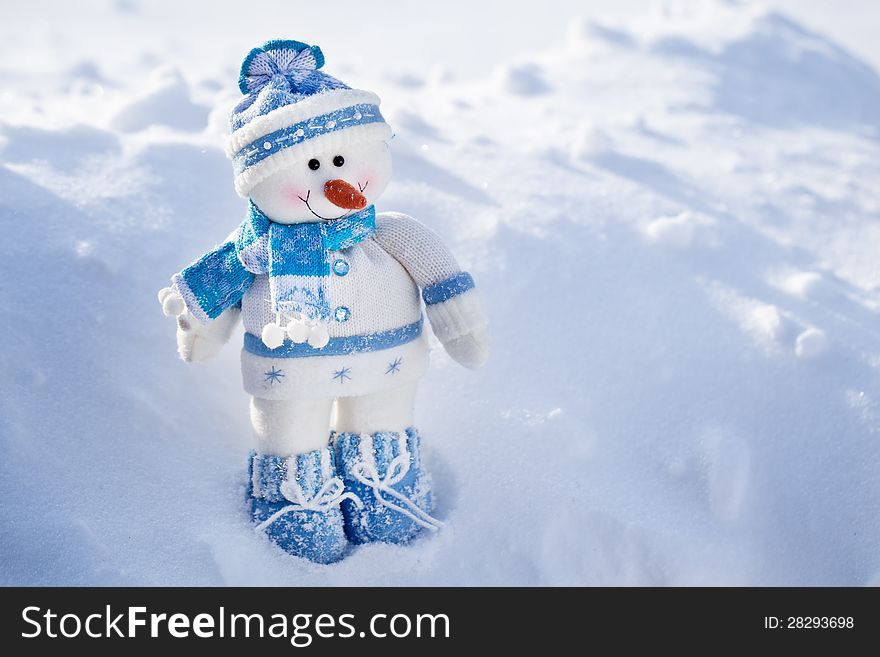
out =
column 304, row 145
column 326, row 183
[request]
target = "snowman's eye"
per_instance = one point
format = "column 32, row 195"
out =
column 314, row 164
column 338, row 161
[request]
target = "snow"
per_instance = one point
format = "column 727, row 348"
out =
column 167, row 102
column 672, row 214
column 682, row 230
column 522, row 80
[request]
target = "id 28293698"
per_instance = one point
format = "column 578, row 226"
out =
column 808, row 622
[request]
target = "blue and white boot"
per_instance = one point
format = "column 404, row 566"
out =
column 295, row 502
column 384, row 472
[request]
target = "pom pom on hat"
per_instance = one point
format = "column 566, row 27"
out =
column 294, row 61
column 279, row 73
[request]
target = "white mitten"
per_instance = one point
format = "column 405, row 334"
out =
column 470, row 349
column 460, row 324
column 197, row 342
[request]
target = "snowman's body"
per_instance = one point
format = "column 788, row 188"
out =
column 377, row 334
column 330, row 295
column 378, row 347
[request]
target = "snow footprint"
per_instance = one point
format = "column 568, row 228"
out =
column 728, row 465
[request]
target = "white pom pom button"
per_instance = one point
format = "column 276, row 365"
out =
column 318, row 336
column 298, row 331
column 273, row 335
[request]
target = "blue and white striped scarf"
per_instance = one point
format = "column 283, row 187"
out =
column 297, row 257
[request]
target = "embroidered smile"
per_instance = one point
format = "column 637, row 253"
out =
column 306, row 201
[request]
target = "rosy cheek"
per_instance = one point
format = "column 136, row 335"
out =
column 294, row 194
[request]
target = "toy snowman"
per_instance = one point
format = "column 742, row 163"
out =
column 330, row 296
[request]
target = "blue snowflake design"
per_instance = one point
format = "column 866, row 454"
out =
column 274, row 376
column 394, row 365
column 342, row 374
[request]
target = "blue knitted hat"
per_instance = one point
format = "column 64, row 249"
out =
column 292, row 109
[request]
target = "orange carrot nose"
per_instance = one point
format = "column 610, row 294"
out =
column 340, row 193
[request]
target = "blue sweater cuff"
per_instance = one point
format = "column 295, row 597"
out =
column 446, row 289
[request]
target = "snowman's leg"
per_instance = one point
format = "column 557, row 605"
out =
column 291, row 479
column 288, row 427
column 389, row 410
column 378, row 456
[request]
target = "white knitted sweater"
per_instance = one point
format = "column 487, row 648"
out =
column 379, row 286
column 376, row 285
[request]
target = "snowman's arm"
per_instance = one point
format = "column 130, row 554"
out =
column 206, row 299
column 452, row 302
